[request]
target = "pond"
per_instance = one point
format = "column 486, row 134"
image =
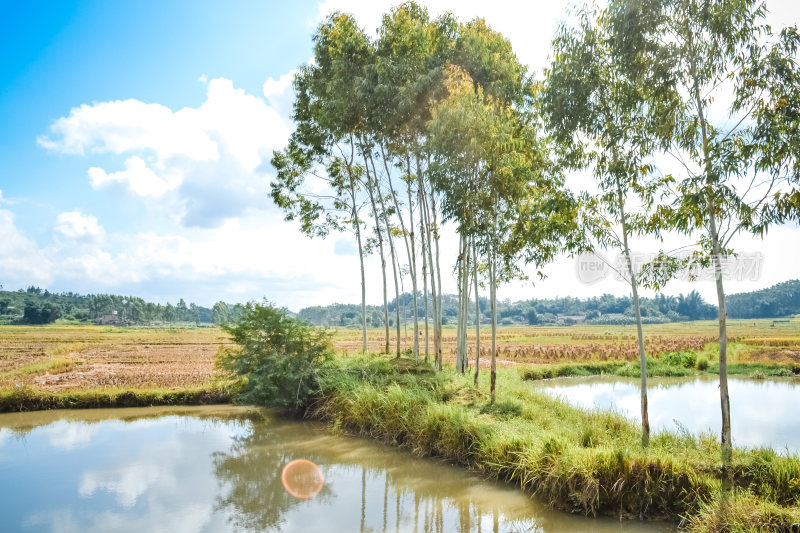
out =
column 216, row 469
column 763, row 412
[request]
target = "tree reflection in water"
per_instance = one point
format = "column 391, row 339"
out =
column 397, row 493
column 250, row 477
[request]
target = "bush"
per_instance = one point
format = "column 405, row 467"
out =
column 702, row 364
column 278, row 358
column 685, row 359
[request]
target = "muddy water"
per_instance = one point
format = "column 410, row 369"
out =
column 763, row 412
column 217, row 469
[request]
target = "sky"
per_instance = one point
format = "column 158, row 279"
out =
column 135, row 140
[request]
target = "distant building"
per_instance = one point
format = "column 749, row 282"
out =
column 109, row 319
column 568, row 320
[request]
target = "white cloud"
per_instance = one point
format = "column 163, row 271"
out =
column 127, row 482
column 207, row 164
column 76, row 225
column 136, row 177
column 124, row 126
column 68, row 435
column 21, row 260
column 280, row 93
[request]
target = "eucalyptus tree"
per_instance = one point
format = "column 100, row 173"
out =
column 462, row 134
column 319, row 181
column 730, row 132
column 411, row 50
column 498, row 186
column 597, row 113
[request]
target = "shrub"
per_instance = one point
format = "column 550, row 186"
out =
column 702, row 364
column 278, row 358
column 685, row 359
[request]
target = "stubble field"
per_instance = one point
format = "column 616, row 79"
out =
column 60, row 358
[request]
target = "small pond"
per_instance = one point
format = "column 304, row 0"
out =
column 218, row 469
column 763, row 412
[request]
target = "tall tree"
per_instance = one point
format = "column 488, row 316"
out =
column 728, row 144
column 323, row 150
column 596, row 111
column 494, row 175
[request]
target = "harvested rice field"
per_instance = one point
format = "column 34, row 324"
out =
column 60, row 358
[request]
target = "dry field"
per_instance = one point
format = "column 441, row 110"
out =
column 762, row 340
column 58, row 358
column 65, row 357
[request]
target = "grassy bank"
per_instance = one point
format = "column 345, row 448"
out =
column 588, row 462
column 28, row 398
column 673, row 364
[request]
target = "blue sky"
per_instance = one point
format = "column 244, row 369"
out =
column 135, row 142
column 64, row 54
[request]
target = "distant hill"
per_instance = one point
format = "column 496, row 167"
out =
column 779, row 300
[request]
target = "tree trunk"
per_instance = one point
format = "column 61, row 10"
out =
column 438, row 331
column 716, row 250
column 424, row 278
column 380, row 248
column 463, row 305
column 493, row 305
column 393, row 254
column 413, row 256
column 725, row 401
column 409, row 246
column 465, row 309
column 637, row 311
column 396, row 286
column 460, row 326
column 363, row 281
column 434, row 301
column 477, row 313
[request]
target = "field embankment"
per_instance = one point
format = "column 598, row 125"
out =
column 588, row 462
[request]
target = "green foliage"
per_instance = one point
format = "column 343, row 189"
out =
column 685, row 359
column 45, row 313
column 779, row 300
column 278, row 357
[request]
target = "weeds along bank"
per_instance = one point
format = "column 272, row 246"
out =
column 587, row 462
column 28, row 398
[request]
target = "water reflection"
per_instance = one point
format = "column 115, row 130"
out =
column 220, row 469
column 763, row 412
column 372, row 488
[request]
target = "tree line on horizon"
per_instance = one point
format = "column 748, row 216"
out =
column 43, row 307
column 779, row 301
column 35, row 305
column 684, row 112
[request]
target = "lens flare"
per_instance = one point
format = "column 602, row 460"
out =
column 302, row 479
